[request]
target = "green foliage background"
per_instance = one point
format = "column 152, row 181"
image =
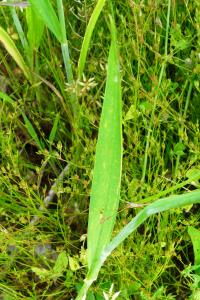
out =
column 153, row 262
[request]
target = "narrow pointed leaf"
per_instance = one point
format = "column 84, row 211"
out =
column 54, row 129
column 107, row 170
column 32, row 132
column 14, row 52
column 48, row 15
column 88, row 34
column 158, row 206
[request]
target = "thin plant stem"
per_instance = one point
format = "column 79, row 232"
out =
column 155, row 100
column 51, row 194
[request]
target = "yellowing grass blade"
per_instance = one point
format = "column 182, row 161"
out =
column 14, row 52
column 107, row 169
column 45, row 9
column 88, row 35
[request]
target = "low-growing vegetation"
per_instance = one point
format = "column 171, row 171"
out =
column 99, row 131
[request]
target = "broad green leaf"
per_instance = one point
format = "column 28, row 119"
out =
column 46, row 11
column 179, row 149
column 35, row 28
column 195, row 237
column 14, row 52
column 108, row 159
column 88, row 34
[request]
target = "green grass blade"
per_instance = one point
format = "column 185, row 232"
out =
column 19, row 29
column 7, row 99
column 88, row 34
column 195, row 238
column 32, row 132
column 64, row 44
column 61, row 18
column 35, row 28
column 158, row 206
column 46, row 11
column 14, row 52
column 54, row 129
column 107, row 169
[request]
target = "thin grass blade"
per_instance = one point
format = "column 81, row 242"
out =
column 107, row 169
column 88, row 34
column 19, row 29
column 158, row 206
column 47, row 13
column 64, row 44
column 32, row 132
column 14, row 52
column 54, row 129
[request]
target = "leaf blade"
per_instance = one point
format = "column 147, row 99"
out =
column 195, row 238
column 35, row 28
column 32, row 132
column 108, row 160
column 158, row 206
column 47, row 13
column 87, row 37
column 54, row 129
column 14, row 52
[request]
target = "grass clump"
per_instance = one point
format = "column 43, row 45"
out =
column 52, row 95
